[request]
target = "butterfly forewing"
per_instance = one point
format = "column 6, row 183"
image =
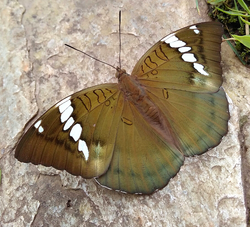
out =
column 187, row 59
column 77, row 134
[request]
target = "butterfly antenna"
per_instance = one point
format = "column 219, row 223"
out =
column 120, row 38
column 105, row 63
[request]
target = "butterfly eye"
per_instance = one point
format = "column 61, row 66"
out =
column 133, row 136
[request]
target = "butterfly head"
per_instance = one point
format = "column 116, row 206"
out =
column 120, row 72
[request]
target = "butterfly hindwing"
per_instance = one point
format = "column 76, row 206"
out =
column 143, row 161
column 199, row 120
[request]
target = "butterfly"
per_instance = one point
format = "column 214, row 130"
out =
column 132, row 136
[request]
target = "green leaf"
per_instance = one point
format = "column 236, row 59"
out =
column 234, row 50
column 197, row 7
column 245, row 39
column 245, row 21
column 236, row 7
column 244, row 6
column 215, row 2
column 235, row 13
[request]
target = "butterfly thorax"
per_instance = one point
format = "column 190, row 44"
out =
column 135, row 93
column 130, row 86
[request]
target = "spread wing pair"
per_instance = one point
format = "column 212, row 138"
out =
column 133, row 136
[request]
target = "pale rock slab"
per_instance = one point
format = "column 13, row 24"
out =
column 38, row 70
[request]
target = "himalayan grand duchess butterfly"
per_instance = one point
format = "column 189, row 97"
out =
column 132, row 136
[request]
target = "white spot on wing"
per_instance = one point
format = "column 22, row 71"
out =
column 177, row 44
column 63, row 101
column 76, row 132
column 200, row 69
column 170, row 38
column 196, row 30
column 66, row 114
column 82, row 146
column 37, row 124
column 193, row 27
column 173, row 41
column 40, row 129
column 64, row 106
column 184, row 49
column 189, row 57
column 68, row 123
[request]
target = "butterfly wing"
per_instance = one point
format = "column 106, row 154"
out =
column 96, row 130
column 182, row 76
column 143, row 161
column 199, row 119
column 77, row 134
column 188, row 59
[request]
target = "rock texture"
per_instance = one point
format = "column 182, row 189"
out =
column 37, row 70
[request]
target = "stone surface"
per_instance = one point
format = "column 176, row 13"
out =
column 37, row 70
